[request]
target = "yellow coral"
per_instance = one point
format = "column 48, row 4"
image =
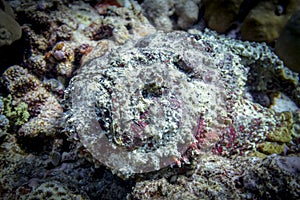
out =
column 271, row 148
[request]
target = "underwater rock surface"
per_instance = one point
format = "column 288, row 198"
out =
column 227, row 123
column 288, row 44
column 216, row 177
column 10, row 30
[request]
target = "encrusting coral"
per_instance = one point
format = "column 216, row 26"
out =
column 43, row 107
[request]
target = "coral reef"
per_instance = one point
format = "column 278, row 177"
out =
column 120, row 23
column 43, row 107
column 61, row 59
column 147, row 114
column 51, row 190
column 35, row 152
column 12, row 158
column 55, row 21
column 30, row 175
column 4, row 122
column 217, row 178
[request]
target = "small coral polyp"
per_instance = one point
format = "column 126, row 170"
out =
column 136, row 108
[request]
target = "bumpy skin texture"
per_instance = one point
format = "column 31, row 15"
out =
column 138, row 107
column 143, row 106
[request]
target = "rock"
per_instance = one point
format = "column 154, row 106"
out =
column 221, row 178
column 172, row 14
column 287, row 46
column 52, row 190
column 263, row 24
column 188, row 12
column 220, row 14
column 45, row 110
column 10, row 30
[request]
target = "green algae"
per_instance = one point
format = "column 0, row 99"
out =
column 17, row 114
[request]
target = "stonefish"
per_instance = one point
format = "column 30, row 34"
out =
column 139, row 107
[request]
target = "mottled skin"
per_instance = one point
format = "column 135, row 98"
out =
column 143, row 106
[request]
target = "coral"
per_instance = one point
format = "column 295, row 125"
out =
column 18, row 81
column 37, row 64
column 296, row 119
column 13, row 160
column 283, row 133
column 210, row 180
column 43, row 107
column 10, row 30
column 287, row 46
column 25, row 175
column 4, row 122
column 55, row 86
column 62, row 33
column 120, row 23
column 280, row 138
column 269, row 148
column 52, row 190
column 283, row 103
column 60, row 59
column 279, row 181
column 219, row 178
column 46, row 23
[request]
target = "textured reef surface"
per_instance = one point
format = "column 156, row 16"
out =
column 97, row 103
